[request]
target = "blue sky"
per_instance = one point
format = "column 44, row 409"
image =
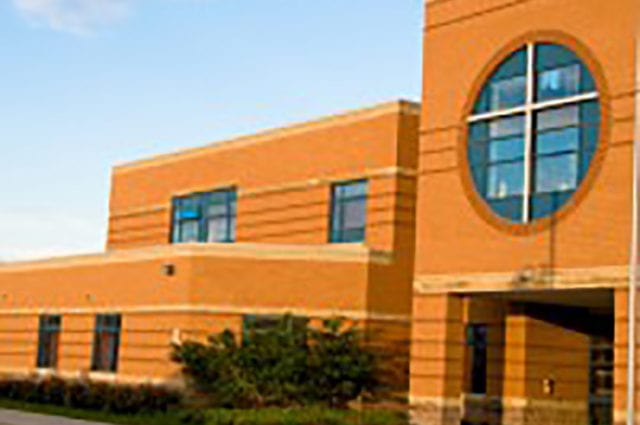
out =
column 86, row 84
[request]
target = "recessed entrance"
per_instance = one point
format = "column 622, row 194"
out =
column 549, row 355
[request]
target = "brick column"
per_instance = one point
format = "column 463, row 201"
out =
column 546, row 372
column 486, row 408
column 437, row 359
column 620, row 360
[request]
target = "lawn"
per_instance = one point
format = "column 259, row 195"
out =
column 304, row 416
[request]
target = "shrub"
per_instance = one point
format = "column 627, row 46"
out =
column 283, row 366
column 215, row 371
column 193, row 417
column 97, row 396
column 77, row 394
column 339, row 368
column 52, row 391
column 274, row 361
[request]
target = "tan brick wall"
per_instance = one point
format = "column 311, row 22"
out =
column 283, row 178
column 525, row 350
column 437, row 359
column 463, row 39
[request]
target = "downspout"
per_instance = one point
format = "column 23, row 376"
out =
column 633, row 257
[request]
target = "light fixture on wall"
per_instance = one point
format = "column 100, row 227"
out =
column 176, row 336
column 168, row 269
column 549, row 386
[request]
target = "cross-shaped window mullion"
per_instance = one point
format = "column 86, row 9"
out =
column 528, row 134
column 538, row 103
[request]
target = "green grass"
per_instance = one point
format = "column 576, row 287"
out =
column 305, row 416
column 91, row 415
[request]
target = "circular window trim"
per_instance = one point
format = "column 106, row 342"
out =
column 478, row 202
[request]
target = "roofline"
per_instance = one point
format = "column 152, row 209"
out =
column 402, row 107
column 355, row 253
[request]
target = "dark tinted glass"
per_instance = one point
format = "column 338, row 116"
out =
column 205, row 217
column 348, row 212
column 560, row 73
column 507, row 86
column 563, row 139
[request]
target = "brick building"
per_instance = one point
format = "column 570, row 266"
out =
column 485, row 237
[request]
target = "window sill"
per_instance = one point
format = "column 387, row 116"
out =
column 46, row 371
column 102, row 376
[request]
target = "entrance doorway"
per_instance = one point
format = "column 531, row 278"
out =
column 601, row 381
column 565, row 339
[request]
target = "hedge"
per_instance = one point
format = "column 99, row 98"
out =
column 97, row 396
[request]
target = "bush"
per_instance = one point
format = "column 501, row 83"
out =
column 193, row 417
column 97, row 396
column 281, row 366
column 339, row 369
column 215, row 370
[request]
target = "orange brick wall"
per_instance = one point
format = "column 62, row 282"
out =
column 283, row 180
column 280, row 264
column 463, row 40
column 212, row 288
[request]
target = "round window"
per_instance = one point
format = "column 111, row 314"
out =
column 533, row 132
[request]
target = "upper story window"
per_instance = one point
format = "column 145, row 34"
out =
column 48, row 340
column 348, row 212
column 533, row 132
column 106, row 343
column 205, row 217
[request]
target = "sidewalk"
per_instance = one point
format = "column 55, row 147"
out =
column 14, row 417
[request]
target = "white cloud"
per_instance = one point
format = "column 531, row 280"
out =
column 75, row 16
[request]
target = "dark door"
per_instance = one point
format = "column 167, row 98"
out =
column 601, row 382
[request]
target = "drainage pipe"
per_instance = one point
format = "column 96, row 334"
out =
column 633, row 257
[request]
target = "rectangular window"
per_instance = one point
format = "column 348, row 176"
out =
column 505, row 180
column 498, row 146
column 477, row 349
column 508, row 93
column 48, row 341
column 205, row 217
column 106, row 343
column 253, row 324
column 348, row 212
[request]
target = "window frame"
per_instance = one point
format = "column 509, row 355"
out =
column 114, row 331
column 338, row 235
column 47, row 330
column 203, row 201
column 530, row 109
column 249, row 322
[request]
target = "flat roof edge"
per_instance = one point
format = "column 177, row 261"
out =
column 357, row 253
column 401, row 106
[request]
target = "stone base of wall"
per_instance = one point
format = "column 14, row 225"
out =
column 497, row 411
column 544, row 412
column 435, row 411
column 620, row 417
column 484, row 410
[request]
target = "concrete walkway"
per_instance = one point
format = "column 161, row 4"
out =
column 14, row 417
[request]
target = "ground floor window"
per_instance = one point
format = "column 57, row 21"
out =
column 256, row 325
column 477, row 349
column 48, row 340
column 106, row 343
